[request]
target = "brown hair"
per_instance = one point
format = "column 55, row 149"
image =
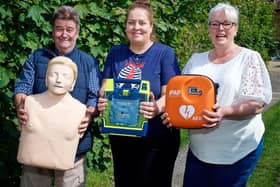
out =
column 144, row 4
column 67, row 13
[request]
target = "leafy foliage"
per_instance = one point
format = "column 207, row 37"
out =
column 25, row 26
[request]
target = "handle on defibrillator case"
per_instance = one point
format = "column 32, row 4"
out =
column 121, row 92
column 216, row 85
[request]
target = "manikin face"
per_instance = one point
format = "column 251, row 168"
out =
column 138, row 26
column 65, row 34
column 60, row 79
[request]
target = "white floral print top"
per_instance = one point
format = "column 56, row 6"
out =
column 243, row 77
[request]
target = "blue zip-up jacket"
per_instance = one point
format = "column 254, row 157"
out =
column 32, row 81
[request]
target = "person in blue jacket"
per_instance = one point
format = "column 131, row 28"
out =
column 146, row 161
column 65, row 31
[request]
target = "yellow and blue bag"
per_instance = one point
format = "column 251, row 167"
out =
column 122, row 116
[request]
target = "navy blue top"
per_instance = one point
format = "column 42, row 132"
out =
column 157, row 65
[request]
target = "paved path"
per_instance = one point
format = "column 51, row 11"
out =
column 274, row 71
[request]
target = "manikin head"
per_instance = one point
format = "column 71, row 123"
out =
column 61, row 75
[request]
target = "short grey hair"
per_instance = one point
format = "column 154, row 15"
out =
column 67, row 13
column 230, row 11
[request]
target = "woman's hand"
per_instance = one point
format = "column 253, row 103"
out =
column 213, row 118
column 149, row 109
column 102, row 103
column 166, row 119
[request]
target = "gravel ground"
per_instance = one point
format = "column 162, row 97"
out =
column 274, row 71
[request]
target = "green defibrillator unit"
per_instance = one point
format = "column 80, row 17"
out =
column 121, row 116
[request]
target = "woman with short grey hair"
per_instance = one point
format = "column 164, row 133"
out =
column 226, row 151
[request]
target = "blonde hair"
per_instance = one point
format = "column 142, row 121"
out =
column 64, row 61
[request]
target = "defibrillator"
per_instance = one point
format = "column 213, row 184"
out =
column 186, row 97
column 121, row 116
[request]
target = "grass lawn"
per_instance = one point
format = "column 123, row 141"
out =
column 266, row 173
column 100, row 179
column 268, row 169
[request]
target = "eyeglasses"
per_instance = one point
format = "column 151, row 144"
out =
column 216, row 25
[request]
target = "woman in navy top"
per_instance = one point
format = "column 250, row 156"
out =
column 146, row 161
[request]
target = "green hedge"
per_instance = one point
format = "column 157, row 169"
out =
column 25, row 26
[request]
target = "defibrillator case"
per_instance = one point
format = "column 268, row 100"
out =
column 186, row 97
column 121, row 116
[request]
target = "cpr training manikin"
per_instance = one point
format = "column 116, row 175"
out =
column 50, row 137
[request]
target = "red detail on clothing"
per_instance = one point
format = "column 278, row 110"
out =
column 133, row 67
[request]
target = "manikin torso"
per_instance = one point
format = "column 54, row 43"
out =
column 50, row 137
